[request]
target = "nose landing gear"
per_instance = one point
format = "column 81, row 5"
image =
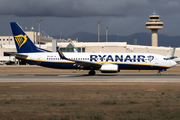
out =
column 159, row 72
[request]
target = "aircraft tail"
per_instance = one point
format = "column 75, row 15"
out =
column 171, row 54
column 22, row 41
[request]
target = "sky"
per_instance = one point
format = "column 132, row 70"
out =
column 122, row 17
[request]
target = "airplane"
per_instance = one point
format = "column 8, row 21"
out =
column 171, row 56
column 75, row 50
column 104, row 62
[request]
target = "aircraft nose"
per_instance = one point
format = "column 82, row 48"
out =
column 173, row 63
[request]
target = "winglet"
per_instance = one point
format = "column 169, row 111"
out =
column 60, row 53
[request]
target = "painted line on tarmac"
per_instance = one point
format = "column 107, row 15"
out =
column 28, row 75
column 2, row 75
column 49, row 75
column 63, row 75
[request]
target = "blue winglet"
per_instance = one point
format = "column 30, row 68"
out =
column 60, row 53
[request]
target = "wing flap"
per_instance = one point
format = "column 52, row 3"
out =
column 87, row 64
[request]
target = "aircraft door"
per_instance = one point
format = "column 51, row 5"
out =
column 156, row 60
column 169, row 63
column 39, row 59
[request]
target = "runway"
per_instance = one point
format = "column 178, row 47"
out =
column 86, row 78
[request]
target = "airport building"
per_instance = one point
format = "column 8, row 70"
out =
column 9, row 40
column 116, row 47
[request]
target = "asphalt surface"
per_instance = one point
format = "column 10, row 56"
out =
column 87, row 78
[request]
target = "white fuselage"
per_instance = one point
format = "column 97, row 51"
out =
column 123, row 60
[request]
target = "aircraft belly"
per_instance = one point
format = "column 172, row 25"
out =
column 140, row 67
column 58, row 65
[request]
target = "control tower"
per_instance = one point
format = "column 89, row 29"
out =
column 154, row 24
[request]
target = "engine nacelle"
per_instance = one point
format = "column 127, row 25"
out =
column 109, row 68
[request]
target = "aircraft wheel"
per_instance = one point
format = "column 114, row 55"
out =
column 92, row 72
column 159, row 73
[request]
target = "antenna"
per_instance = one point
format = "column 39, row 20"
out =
column 154, row 12
column 32, row 28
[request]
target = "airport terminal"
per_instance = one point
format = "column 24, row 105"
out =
column 7, row 43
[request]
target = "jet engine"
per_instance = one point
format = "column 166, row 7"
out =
column 109, row 68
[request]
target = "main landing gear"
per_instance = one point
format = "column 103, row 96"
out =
column 159, row 72
column 92, row 72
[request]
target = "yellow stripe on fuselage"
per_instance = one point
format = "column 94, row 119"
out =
column 108, row 70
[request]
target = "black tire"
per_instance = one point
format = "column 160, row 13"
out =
column 158, row 73
column 92, row 72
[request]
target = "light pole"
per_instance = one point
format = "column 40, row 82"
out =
column 98, row 30
column 117, row 37
column 106, row 34
column 39, row 21
column 60, row 35
column 135, row 41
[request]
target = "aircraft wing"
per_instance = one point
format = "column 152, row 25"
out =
column 85, row 64
column 17, row 54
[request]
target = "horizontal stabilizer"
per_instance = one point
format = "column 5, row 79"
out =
column 17, row 54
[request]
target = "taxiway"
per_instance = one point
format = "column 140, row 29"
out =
column 86, row 78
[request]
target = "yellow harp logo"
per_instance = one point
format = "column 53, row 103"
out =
column 20, row 39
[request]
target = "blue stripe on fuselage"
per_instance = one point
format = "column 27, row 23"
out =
column 70, row 65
